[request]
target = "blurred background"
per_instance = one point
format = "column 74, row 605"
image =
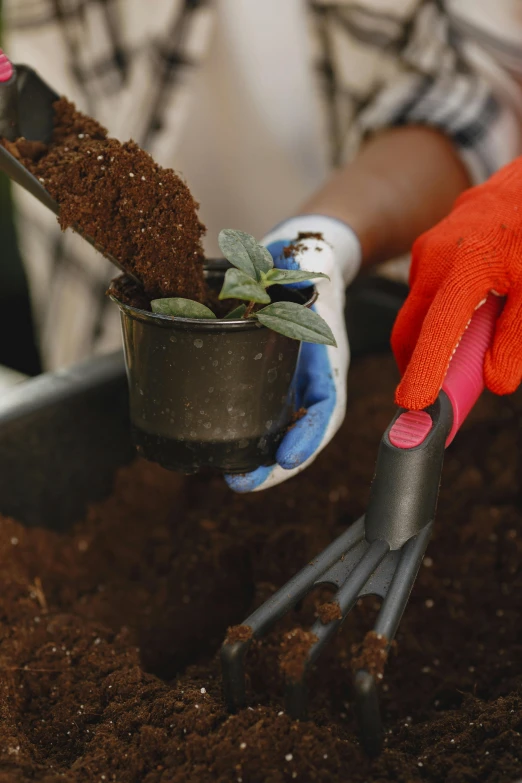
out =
column 249, row 158
column 18, row 349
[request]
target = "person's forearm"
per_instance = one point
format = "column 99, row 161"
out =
column 402, row 182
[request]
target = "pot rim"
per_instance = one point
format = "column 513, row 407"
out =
column 198, row 324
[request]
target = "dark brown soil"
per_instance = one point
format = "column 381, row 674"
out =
column 136, row 211
column 238, row 633
column 329, row 611
column 296, row 416
column 372, row 654
column 300, row 244
column 109, row 634
column 309, row 235
column 294, row 650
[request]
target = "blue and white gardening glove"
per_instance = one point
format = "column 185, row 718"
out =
column 321, row 374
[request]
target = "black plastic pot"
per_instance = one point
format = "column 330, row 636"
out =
column 209, row 393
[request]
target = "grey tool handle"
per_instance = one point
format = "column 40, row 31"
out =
column 405, row 489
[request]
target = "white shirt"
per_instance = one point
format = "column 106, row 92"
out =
column 230, row 92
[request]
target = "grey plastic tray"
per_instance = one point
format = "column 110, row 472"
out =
column 62, row 436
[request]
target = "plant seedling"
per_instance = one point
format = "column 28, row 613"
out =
column 252, row 275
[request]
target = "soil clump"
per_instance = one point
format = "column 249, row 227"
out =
column 135, row 210
column 329, row 611
column 371, row 655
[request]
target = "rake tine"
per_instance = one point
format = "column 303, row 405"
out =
column 260, row 621
column 366, row 697
column 368, row 713
column 346, row 596
column 395, row 602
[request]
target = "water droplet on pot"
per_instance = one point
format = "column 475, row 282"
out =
column 258, row 356
column 207, row 425
column 211, row 389
column 215, row 363
column 243, row 443
column 193, row 434
column 217, row 431
column 268, row 424
column 271, row 375
column 198, row 343
column 173, row 339
column 230, row 352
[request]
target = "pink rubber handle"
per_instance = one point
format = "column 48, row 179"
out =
column 6, row 68
column 464, row 380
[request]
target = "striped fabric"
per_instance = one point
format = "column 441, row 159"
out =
column 451, row 64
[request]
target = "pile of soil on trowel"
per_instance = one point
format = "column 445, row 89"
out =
column 109, row 633
column 136, row 211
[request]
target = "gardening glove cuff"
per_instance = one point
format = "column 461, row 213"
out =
column 313, row 230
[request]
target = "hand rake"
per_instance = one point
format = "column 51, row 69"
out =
column 381, row 553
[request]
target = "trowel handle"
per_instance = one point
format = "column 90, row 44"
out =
column 8, row 99
column 464, row 380
column 463, row 384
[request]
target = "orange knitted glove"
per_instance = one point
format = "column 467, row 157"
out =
column 475, row 250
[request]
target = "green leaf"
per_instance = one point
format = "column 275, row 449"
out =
column 239, row 285
column 296, row 321
column 286, row 276
column 263, row 261
column 182, row 308
column 236, row 313
column 244, row 252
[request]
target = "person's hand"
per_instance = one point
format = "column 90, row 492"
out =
column 331, row 247
column 475, row 250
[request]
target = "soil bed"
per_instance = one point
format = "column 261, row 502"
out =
column 109, row 634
